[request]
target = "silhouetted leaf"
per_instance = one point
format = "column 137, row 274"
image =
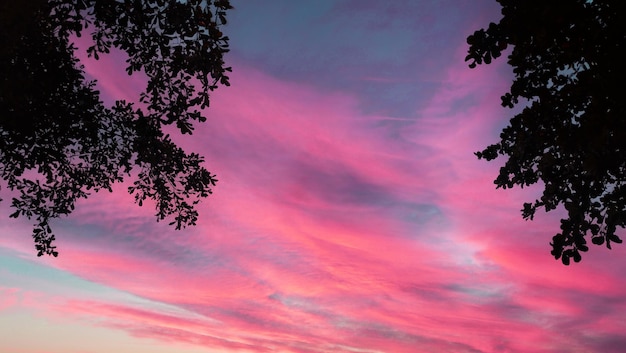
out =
column 614, row 238
column 598, row 240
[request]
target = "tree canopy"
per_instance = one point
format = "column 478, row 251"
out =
column 568, row 58
column 58, row 140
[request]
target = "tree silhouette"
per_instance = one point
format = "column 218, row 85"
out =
column 568, row 59
column 59, row 142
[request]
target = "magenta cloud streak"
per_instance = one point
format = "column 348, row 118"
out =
column 335, row 228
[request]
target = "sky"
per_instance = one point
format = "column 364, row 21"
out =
column 350, row 216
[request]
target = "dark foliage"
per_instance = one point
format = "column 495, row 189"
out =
column 568, row 58
column 59, row 142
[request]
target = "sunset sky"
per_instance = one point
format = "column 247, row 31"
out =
column 350, row 216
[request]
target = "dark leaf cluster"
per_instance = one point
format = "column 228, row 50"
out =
column 568, row 60
column 59, row 142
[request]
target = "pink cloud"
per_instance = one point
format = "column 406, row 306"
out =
column 330, row 231
column 8, row 297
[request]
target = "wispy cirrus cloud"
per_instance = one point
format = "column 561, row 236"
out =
column 341, row 222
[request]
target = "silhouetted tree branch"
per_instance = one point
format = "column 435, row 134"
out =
column 59, row 142
column 568, row 59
